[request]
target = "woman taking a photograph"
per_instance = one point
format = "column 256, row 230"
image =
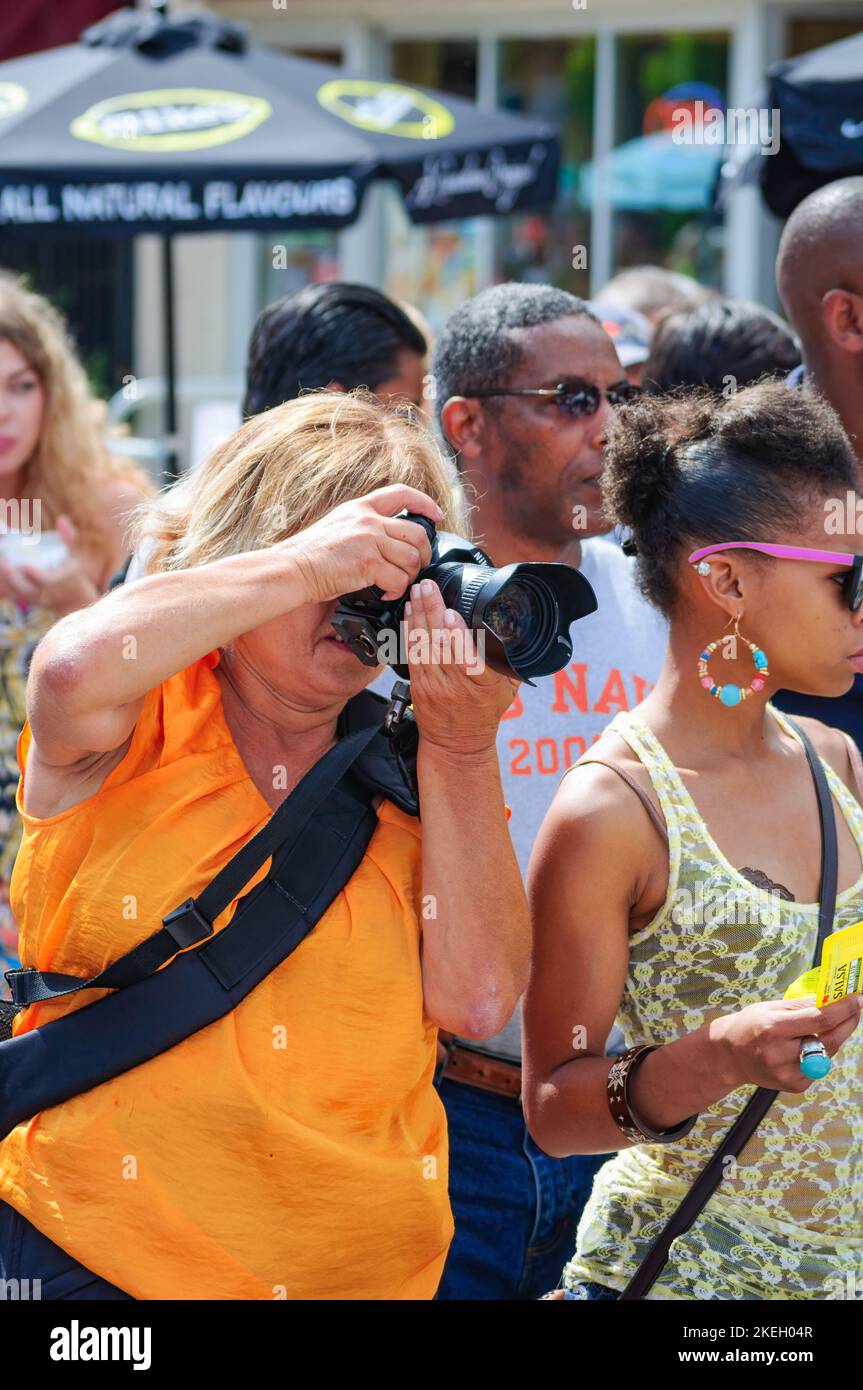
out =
column 295, row 1148
column 675, row 892
column 63, row 505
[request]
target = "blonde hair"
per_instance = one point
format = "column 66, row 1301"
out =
column 71, row 458
column 285, row 469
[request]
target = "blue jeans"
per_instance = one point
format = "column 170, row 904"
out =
column 25, row 1254
column 516, row 1210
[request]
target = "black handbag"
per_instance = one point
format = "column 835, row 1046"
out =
column 760, row 1102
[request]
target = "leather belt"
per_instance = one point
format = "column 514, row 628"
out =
column 476, row 1069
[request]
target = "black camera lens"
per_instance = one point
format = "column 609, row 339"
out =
column 513, row 615
column 525, row 618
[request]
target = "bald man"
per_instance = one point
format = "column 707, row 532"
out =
column 819, row 276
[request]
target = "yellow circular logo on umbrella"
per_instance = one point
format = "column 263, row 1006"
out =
column 175, row 118
column 13, row 97
column 387, row 107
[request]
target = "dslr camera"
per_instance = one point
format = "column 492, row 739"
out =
column 524, row 610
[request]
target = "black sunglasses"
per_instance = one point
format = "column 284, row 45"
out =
column 576, row 398
column 854, row 584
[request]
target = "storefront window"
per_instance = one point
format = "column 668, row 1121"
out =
column 661, row 187
column 552, row 79
column 450, row 67
column 289, row 260
column 434, row 268
column 89, row 280
column 815, row 32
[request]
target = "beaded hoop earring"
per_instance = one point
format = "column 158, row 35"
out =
column 730, row 695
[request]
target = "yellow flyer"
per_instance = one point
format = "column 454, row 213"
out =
column 840, row 971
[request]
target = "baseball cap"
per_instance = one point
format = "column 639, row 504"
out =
column 630, row 331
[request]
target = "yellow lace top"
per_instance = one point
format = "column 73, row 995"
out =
column 787, row 1222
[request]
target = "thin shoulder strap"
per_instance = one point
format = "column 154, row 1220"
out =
column 649, row 806
column 856, row 765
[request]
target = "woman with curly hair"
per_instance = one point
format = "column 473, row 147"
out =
column 674, row 883
column 63, row 500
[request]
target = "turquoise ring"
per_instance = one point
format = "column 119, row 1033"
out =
column 814, row 1061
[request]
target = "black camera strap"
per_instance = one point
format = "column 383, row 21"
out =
column 192, row 922
column 760, row 1102
column 317, row 839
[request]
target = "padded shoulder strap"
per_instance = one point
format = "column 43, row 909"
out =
column 325, row 836
column 192, row 922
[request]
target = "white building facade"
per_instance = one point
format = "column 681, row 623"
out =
column 601, row 70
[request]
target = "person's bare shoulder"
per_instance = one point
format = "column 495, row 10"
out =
column 594, row 805
column 121, row 496
column 831, row 745
column 611, row 748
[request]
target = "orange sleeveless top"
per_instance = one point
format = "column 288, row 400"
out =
column 295, row 1148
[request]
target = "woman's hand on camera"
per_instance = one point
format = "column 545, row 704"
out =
column 457, row 699
column 362, row 543
column 760, row 1045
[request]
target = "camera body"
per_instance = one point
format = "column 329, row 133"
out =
column 524, row 610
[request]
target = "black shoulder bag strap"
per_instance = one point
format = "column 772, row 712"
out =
column 317, row 838
column 192, row 922
column 760, row 1102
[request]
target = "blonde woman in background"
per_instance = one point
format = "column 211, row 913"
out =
column 63, row 500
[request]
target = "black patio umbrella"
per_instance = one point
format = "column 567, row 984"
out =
column 819, row 98
column 160, row 124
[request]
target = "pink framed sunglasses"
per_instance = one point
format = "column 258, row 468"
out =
column 852, row 582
